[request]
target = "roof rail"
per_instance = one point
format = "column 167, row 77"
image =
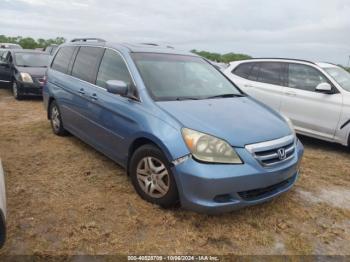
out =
column 88, row 39
column 154, row 44
column 278, row 58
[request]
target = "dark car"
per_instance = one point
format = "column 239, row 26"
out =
column 24, row 71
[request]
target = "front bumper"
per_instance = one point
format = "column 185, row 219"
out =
column 218, row 188
column 35, row 89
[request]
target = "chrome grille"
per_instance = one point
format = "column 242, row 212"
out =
column 273, row 152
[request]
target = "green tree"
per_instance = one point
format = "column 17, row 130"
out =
column 30, row 43
column 224, row 58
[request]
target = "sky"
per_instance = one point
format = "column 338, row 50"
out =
column 317, row 30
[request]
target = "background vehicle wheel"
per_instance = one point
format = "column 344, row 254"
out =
column 15, row 91
column 56, row 120
column 152, row 178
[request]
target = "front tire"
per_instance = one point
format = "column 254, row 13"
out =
column 56, row 120
column 152, row 178
column 15, row 91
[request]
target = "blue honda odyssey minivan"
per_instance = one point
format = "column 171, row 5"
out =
column 183, row 131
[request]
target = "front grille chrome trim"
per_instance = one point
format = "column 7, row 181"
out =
column 266, row 152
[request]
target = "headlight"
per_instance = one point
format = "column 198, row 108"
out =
column 208, row 148
column 26, row 78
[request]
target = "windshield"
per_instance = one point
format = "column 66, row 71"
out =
column 340, row 75
column 180, row 77
column 32, row 59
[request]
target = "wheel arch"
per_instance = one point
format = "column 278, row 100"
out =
column 144, row 140
column 51, row 99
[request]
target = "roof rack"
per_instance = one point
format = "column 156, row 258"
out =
column 278, row 58
column 88, row 39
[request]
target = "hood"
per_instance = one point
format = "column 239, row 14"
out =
column 33, row 71
column 238, row 120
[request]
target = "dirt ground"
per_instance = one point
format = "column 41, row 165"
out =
column 66, row 198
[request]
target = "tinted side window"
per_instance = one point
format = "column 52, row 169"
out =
column 86, row 63
column 271, row 73
column 243, row 70
column 112, row 67
column 304, row 77
column 4, row 56
column 254, row 73
column 62, row 59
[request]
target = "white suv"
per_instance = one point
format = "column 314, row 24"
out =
column 314, row 96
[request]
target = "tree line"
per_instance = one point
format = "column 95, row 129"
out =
column 221, row 58
column 31, row 43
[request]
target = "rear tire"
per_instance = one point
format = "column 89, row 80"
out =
column 56, row 120
column 152, row 178
column 15, row 91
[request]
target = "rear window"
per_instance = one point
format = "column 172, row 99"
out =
column 87, row 62
column 62, row 59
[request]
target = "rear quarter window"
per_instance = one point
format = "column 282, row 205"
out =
column 62, row 59
column 243, row 70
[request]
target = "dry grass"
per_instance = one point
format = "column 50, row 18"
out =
column 66, row 198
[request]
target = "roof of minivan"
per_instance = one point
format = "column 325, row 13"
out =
column 135, row 48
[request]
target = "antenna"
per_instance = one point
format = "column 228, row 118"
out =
column 348, row 61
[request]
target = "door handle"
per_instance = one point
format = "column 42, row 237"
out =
column 81, row 91
column 94, row 97
column 248, row 85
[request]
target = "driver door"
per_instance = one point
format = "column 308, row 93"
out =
column 5, row 68
column 311, row 112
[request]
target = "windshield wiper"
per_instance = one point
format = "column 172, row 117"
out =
column 186, row 98
column 225, row 95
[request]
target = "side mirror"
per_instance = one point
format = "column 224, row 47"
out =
column 324, row 88
column 117, row 87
